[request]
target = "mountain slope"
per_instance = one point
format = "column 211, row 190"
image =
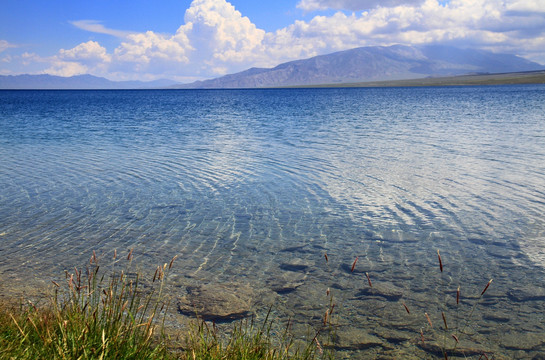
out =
column 74, row 82
column 374, row 64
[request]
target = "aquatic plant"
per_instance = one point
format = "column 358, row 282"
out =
column 451, row 336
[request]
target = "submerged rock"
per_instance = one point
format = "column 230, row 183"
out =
column 296, row 264
column 286, row 282
column 439, row 350
column 388, row 291
column 349, row 338
column 518, row 341
column 527, row 294
column 220, row 302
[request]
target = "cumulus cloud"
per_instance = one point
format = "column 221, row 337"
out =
column 66, row 68
column 353, row 5
column 527, row 6
column 145, row 47
column 216, row 39
column 90, row 51
column 223, row 33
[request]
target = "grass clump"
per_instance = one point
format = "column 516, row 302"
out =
column 114, row 314
column 249, row 342
column 91, row 317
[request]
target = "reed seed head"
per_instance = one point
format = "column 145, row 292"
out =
column 429, row 320
column 172, row 261
column 440, row 261
column 486, row 287
column 458, row 295
column 354, row 264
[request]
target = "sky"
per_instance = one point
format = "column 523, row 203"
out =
column 186, row 40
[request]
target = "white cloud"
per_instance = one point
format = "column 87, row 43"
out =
column 90, row 51
column 4, row 45
column 145, row 47
column 97, row 27
column 527, row 6
column 219, row 30
column 216, row 39
column 66, row 68
column 353, row 5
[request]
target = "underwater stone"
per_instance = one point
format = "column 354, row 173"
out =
column 220, row 302
column 350, row 338
column 437, row 350
column 296, row 264
column 286, row 282
column 527, row 341
column 527, row 294
column 387, row 291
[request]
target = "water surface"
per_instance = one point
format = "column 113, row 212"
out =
column 255, row 186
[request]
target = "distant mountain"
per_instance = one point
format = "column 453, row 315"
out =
column 75, row 82
column 377, row 63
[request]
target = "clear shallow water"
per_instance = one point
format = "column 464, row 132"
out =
column 254, row 186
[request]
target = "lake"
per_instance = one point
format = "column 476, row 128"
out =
column 255, row 187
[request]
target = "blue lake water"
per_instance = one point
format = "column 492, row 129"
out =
column 255, row 186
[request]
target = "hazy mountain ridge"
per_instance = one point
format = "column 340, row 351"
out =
column 377, row 63
column 359, row 65
column 75, row 82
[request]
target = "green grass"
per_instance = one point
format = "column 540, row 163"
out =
column 248, row 342
column 114, row 314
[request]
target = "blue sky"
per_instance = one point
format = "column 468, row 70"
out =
column 187, row 40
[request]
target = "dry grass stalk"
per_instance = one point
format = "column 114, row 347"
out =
column 326, row 317
column 172, row 261
column 486, row 287
column 444, row 320
column 429, row 320
column 369, row 280
column 354, row 264
column 318, row 346
column 458, row 295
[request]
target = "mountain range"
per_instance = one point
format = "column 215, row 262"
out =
column 359, row 65
column 376, row 63
column 75, row 82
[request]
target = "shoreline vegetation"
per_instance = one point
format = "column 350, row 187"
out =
column 512, row 78
column 477, row 79
column 115, row 312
